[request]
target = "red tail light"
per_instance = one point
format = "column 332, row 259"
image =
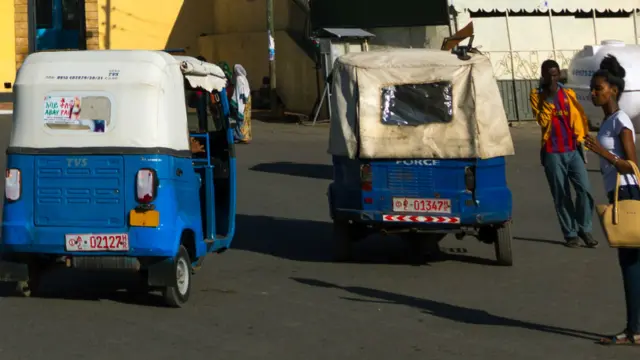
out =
column 146, row 185
column 470, row 178
column 12, row 184
column 366, row 177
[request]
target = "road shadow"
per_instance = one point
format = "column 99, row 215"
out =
column 314, row 171
column 446, row 311
column 542, row 241
column 80, row 285
column 311, row 241
column 281, row 117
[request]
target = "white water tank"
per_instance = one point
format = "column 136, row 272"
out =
column 587, row 61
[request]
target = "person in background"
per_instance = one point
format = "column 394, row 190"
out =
column 196, row 99
column 241, row 105
column 229, row 75
column 564, row 125
column 614, row 144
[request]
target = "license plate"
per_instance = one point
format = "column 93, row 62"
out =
column 97, row 242
column 439, row 206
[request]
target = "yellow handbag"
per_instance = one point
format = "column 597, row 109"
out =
column 621, row 220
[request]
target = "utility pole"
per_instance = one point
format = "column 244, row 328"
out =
column 272, row 59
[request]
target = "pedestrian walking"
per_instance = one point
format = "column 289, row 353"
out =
column 241, row 105
column 564, row 125
column 616, row 142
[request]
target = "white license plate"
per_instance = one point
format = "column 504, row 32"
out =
column 440, row 206
column 97, row 242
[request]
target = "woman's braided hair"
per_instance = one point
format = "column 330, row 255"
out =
column 612, row 72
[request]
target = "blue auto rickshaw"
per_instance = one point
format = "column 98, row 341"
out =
column 102, row 173
column 418, row 141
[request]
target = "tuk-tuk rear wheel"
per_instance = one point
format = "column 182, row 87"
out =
column 177, row 296
column 141, row 284
column 31, row 287
column 502, row 245
column 344, row 235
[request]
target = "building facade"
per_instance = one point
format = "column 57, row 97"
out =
column 235, row 31
column 48, row 25
column 518, row 35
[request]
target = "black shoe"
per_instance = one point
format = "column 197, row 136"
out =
column 573, row 242
column 589, row 240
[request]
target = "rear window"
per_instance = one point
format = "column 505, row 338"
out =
column 82, row 113
column 417, row 104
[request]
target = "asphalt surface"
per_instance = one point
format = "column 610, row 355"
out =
column 276, row 295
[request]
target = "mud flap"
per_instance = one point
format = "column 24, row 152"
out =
column 162, row 273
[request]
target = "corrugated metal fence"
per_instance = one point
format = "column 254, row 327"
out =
column 515, row 97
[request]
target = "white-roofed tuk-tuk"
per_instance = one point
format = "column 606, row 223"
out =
column 106, row 172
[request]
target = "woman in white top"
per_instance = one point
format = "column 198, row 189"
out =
column 614, row 144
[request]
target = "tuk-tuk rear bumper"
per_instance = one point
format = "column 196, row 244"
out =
column 22, row 245
column 144, row 242
column 450, row 222
column 159, row 270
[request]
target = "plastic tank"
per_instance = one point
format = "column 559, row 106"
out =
column 587, row 61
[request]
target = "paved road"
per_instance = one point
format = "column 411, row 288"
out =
column 276, row 295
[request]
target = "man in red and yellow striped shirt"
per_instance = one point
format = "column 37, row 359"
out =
column 564, row 126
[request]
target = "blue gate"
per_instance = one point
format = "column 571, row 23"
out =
column 59, row 24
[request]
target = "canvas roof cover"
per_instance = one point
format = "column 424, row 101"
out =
column 475, row 125
column 202, row 74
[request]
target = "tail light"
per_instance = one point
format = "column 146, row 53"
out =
column 366, row 177
column 12, row 184
column 146, row 185
column 470, row 178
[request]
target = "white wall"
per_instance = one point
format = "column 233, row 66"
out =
column 532, row 43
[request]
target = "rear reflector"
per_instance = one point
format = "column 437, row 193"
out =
column 366, row 177
column 12, row 184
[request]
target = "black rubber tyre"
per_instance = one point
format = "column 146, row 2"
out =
column 179, row 295
column 31, row 287
column 343, row 239
column 141, row 286
column 27, row 288
column 502, row 245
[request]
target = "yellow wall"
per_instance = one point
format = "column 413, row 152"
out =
column 154, row 24
column 243, row 39
column 234, row 16
column 7, row 44
column 295, row 72
column 235, row 31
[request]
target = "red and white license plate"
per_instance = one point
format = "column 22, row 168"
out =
column 97, row 242
column 439, row 206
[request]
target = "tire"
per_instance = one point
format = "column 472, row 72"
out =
column 502, row 245
column 179, row 295
column 141, row 286
column 31, row 287
column 343, row 239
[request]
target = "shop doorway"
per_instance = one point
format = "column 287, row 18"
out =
column 59, row 24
